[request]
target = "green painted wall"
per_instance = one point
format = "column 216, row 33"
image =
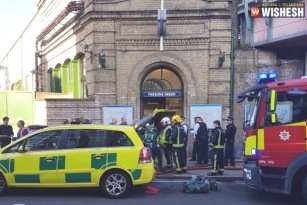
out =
column 76, row 78
column 57, row 80
column 10, row 102
column 64, row 78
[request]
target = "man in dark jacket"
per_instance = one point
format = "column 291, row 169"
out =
column 231, row 130
column 217, row 142
column 177, row 139
column 6, row 132
column 200, row 132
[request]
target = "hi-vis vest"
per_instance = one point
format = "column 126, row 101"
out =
column 21, row 131
column 163, row 137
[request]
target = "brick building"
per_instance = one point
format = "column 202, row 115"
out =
column 110, row 51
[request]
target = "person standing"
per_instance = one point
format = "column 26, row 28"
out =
column 124, row 121
column 6, row 132
column 185, row 143
column 151, row 140
column 201, row 135
column 177, row 139
column 217, row 142
column 231, row 130
column 166, row 141
column 114, row 121
column 23, row 131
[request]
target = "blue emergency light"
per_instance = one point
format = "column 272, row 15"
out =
column 266, row 77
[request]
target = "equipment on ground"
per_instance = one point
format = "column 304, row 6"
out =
column 199, row 184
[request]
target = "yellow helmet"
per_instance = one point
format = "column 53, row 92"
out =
column 176, row 118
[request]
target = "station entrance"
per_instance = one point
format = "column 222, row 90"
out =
column 161, row 88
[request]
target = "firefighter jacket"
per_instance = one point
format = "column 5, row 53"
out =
column 177, row 137
column 231, row 130
column 217, row 140
column 166, row 134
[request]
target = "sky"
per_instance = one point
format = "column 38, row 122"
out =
column 15, row 15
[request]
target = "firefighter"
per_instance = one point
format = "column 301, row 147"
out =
column 177, row 139
column 217, row 142
column 231, row 130
column 165, row 141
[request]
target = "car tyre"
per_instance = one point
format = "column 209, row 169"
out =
column 115, row 184
column 3, row 185
column 304, row 188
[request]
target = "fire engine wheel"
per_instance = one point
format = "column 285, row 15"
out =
column 115, row 184
column 304, row 188
column 3, row 185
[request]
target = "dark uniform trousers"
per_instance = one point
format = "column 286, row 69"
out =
column 156, row 153
column 194, row 150
column 168, row 155
column 4, row 143
column 178, row 158
column 202, row 150
column 184, row 154
column 217, row 160
column 229, row 152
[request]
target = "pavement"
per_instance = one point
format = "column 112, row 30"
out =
column 230, row 173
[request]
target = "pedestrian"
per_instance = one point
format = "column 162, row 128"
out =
column 65, row 122
column 114, row 121
column 177, row 139
column 231, row 130
column 152, row 140
column 200, row 132
column 124, row 121
column 6, row 132
column 23, row 131
column 217, row 142
column 166, row 141
column 185, row 141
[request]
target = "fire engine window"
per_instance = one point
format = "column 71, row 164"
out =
column 291, row 108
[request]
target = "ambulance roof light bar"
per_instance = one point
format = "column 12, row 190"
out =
column 266, row 78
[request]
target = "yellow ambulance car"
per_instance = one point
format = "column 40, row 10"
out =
column 106, row 156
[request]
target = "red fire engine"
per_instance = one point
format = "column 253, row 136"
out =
column 275, row 156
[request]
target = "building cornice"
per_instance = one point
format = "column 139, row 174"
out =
column 166, row 42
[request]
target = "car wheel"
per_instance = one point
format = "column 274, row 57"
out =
column 3, row 185
column 115, row 184
column 304, row 188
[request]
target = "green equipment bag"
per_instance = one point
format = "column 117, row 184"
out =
column 150, row 138
column 199, row 184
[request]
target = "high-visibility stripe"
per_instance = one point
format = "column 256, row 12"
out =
column 260, row 138
column 27, row 178
column 136, row 173
column 250, row 144
column 214, row 170
column 273, row 116
column 296, row 124
column 273, row 100
column 78, row 177
column 178, row 168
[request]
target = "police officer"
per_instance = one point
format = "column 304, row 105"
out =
column 165, row 141
column 185, row 142
column 200, row 132
column 231, row 130
column 217, row 142
column 177, row 139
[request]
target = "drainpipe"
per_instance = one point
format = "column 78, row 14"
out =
column 36, row 69
column 232, row 57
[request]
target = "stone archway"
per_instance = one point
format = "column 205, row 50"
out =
column 144, row 66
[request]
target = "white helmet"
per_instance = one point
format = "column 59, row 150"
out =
column 166, row 120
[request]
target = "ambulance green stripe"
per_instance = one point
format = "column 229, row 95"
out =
column 12, row 165
column 112, row 159
column 98, row 163
column 78, row 177
column 29, row 178
column 61, row 162
column 47, row 164
column 136, row 174
column 4, row 165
